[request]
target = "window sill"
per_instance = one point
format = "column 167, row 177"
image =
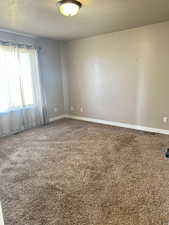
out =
column 17, row 109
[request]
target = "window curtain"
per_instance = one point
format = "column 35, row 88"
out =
column 22, row 101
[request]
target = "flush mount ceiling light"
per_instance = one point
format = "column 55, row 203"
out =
column 69, row 7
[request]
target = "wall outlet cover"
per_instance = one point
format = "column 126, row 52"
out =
column 72, row 108
column 165, row 119
column 55, row 109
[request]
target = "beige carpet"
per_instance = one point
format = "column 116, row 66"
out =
column 78, row 173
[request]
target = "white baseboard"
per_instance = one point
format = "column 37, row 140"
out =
column 1, row 216
column 57, row 118
column 118, row 124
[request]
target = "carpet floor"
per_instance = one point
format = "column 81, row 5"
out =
column 78, row 173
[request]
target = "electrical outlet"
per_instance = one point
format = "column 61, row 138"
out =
column 165, row 119
column 72, row 108
column 81, row 109
column 55, row 109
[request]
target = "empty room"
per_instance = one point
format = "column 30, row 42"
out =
column 84, row 112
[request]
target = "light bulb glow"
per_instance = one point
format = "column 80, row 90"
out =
column 69, row 9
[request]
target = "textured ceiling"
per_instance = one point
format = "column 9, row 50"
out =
column 41, row 18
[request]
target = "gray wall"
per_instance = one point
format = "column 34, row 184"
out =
column 121, row 76
column 50, row 68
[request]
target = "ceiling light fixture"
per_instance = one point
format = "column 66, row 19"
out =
column 69, row 7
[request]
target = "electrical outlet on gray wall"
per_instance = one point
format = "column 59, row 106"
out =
column 72, row 108
column 165, row 119
column 56, row 109
column 81, row 109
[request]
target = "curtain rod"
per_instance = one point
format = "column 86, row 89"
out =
column 19, row 44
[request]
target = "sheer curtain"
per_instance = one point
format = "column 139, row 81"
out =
column 21, row 101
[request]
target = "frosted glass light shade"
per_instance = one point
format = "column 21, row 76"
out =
column 69, row 8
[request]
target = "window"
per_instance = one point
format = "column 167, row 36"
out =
column 21, row 101
column 16, row 80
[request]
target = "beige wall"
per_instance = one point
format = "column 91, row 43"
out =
column 121, row 76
